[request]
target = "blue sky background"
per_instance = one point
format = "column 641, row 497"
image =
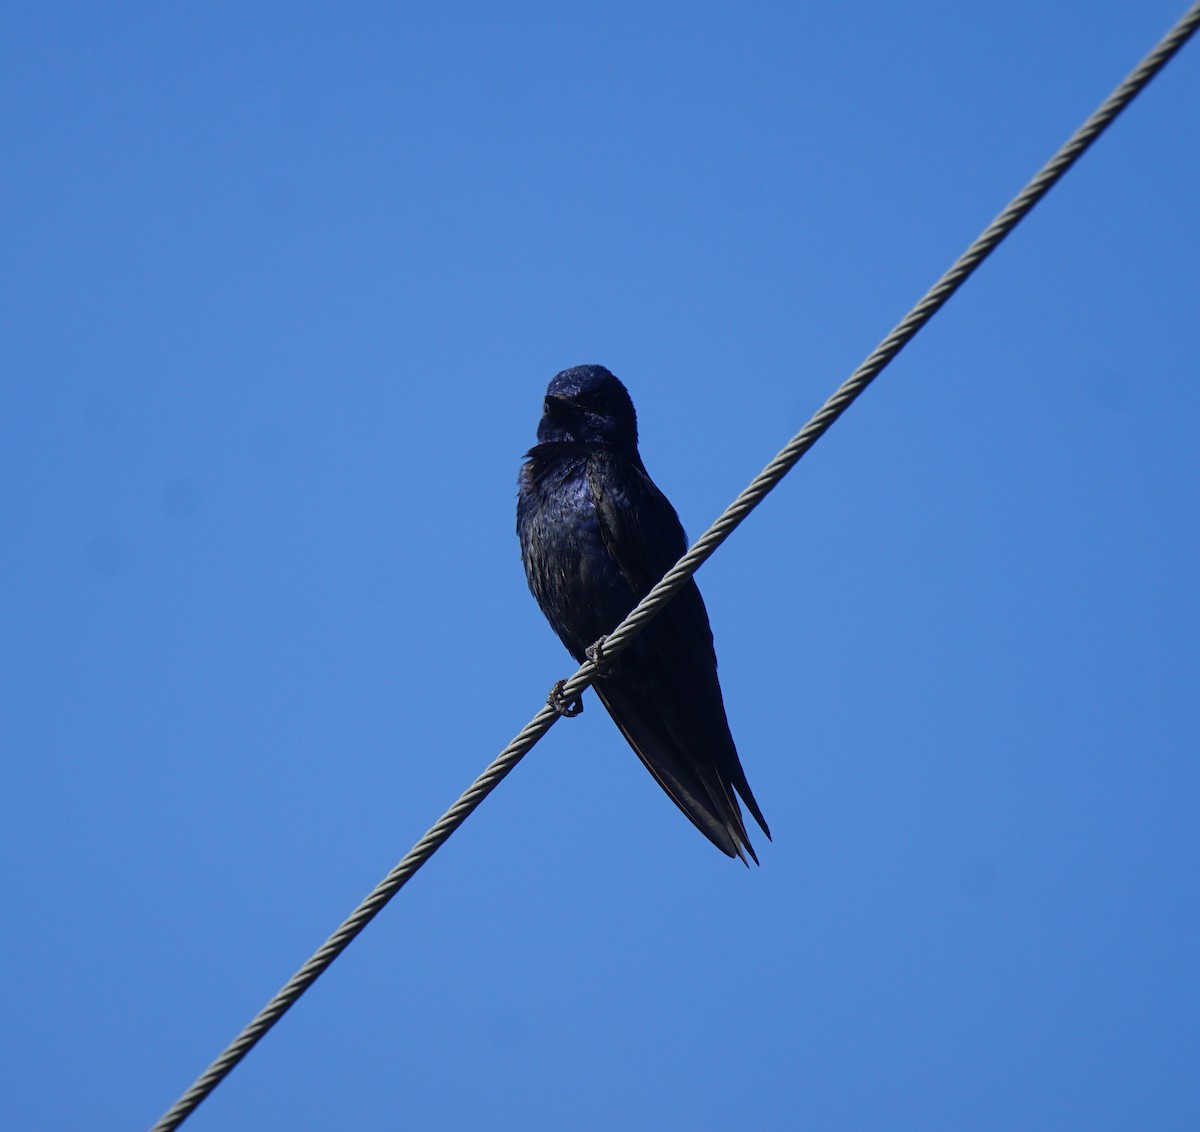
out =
column 282, row 291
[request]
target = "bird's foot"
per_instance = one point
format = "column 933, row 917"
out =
column 561, row 704
column 595, row 653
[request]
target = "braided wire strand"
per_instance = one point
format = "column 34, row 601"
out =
column 935, row 298
column 366, row 911
column 696, row 555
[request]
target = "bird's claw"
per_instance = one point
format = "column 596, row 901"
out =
column 595, row 653
column 561, row 704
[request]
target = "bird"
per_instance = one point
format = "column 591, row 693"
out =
column 596, row 534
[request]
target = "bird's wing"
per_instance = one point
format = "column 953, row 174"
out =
column 663, row 691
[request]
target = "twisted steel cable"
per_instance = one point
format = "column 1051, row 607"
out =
column 570, row 690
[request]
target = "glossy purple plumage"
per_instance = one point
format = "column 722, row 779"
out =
column 596, row 534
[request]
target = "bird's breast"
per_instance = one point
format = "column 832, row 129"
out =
column 567, row 564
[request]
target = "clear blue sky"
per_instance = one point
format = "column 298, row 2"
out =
column 282, row 291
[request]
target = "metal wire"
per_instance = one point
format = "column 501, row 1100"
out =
column 699, row 552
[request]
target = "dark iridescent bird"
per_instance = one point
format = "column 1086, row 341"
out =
column 596, row 534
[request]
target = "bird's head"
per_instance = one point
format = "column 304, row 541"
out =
column 588, row 404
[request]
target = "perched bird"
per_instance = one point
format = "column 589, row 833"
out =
column 596, row 535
